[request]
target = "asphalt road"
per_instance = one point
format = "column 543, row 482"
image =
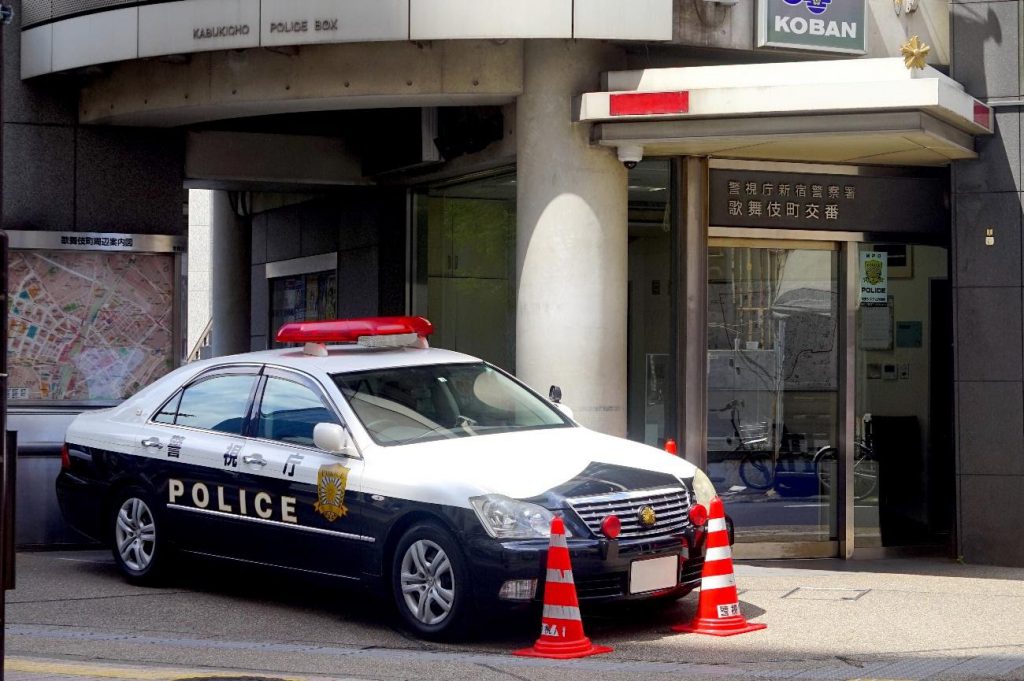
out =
column 73, row 617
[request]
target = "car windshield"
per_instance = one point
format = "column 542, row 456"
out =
column 421, row 403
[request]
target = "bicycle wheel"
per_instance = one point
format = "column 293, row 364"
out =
column 757, row 470
column 865, row 470
column 865, row 473
column 825, row 466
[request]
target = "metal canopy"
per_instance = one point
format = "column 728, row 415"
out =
column 864, row 111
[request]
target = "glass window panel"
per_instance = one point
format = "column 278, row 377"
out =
column 217, row 403
column 903, row 457
column 773, row 387
column 289, row 412
column 169, row 411
column 303, row 298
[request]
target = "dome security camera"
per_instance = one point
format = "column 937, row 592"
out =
column 630, row 155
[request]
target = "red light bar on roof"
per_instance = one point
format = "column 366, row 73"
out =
column 351, row 330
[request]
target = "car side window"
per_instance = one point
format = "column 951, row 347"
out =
column 219, row 403
column 289, row 411
column 169, row 411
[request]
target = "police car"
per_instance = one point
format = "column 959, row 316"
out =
column 368, row 456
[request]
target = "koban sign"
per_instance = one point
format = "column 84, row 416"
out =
column 819, row 25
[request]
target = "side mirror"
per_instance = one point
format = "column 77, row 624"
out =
column 333, row 438
column 564, row 408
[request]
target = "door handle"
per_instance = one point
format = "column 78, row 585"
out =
column 254, row 460
column 152, row 442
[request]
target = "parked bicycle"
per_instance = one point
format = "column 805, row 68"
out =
column 865, row 465
column 761, row 461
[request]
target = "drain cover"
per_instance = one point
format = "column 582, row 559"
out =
column 811, row 593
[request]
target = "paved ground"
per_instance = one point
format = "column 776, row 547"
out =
column 73, row 618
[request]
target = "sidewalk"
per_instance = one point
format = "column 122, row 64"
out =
column 19, row 668
column 891, row 620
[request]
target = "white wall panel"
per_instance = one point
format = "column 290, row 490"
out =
column 36, row 51
column 197, row 26
column 96, row 39
column 441, row 19
column 295, row 22
column 623, row 19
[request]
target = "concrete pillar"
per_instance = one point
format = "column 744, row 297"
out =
column 230, row 256
column 571, row 239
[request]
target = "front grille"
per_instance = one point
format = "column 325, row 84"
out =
column 600, row 586
column 671, row 507
column 691, row 572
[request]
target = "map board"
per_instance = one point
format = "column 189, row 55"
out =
column 88, row 326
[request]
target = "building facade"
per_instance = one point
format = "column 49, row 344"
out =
column 784, row 234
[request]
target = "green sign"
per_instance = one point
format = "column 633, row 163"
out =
column 818, row 25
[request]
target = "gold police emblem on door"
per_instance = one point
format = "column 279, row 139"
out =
column 330, row 491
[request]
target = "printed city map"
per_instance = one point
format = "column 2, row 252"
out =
column 87, row 326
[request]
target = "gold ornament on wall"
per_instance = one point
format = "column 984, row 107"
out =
column 914, row 51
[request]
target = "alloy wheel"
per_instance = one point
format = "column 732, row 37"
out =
column 428, row 582
column 135, row 534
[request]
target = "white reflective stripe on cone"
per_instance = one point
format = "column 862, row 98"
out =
column 717, row 525
column 562, row 612
column 717, row 553
column 716, row 582
column 559, row 541
column 560, row 576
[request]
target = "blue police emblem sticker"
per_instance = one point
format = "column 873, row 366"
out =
column 816, row 7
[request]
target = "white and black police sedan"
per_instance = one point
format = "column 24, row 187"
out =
column 378, row 459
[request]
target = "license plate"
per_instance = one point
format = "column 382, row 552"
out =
column 653, row 574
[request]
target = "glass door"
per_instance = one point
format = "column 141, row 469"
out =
column 903, row 456
column 774, row 390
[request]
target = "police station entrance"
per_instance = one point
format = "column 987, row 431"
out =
column 828, row 370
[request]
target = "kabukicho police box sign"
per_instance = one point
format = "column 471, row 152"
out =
column 819, row 25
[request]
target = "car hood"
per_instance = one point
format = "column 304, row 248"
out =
column 536, row 464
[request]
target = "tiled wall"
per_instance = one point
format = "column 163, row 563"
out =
column 988, row 290
column 367, row 230
column 62, row 176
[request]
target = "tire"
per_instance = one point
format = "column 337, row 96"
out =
column 825, row 467
column 430, row 582
column 865, row 474
column 136, row 533
column 756, row 470
column 865, row 471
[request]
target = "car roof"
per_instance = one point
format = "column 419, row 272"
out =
column 342, row 358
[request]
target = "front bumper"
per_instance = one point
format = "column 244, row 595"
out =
column 600, row 567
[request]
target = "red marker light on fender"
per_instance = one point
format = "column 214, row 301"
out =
column 611, row 526
column 698, row 515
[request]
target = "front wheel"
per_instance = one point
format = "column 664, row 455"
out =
column 757, row 470
column 138, row 544
column 430, row 582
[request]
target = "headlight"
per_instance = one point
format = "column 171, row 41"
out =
column 507, row 518
column 703, row 490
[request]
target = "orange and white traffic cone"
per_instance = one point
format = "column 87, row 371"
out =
column 718, row 610
column 561, row 628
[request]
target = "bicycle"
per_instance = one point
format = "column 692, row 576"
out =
column 753, row 440
column 865, row 465
column 757, row 467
